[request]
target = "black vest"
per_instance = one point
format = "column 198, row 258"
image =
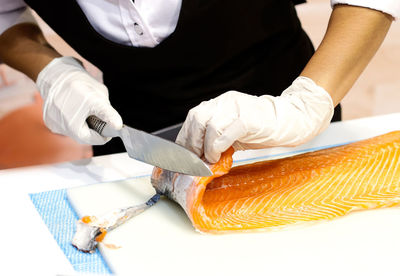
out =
column 257, row 47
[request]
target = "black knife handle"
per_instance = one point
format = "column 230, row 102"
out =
column 96, row 124
column 101, row 127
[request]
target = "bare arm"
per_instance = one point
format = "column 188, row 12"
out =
column 24, row 48
column 353, row 36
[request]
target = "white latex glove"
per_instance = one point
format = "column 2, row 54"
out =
column 249, row 122
column 70, row 96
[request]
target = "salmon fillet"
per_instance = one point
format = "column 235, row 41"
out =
column 319, row 185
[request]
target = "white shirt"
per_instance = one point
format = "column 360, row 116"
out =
column 135, row 23
column 145, row 23
column 391, row 7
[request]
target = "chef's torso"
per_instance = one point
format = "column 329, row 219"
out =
column 256, row 47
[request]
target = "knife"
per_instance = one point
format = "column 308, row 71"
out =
column 153, row 150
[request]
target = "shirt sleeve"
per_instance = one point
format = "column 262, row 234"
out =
column 391, row 7
column 13, row 12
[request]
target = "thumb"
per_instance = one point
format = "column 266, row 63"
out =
column 108, row 114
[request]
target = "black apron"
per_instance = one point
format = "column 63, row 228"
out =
column 256, row 47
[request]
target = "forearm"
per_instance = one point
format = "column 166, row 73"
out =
column 353, row 36
column 24, row 48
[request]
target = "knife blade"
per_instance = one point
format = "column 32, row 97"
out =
column 153, row 150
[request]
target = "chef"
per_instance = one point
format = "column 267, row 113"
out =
column 246, row 70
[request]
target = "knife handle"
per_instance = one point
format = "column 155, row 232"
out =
column 101, row 127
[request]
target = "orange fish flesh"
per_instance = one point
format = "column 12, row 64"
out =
column 314, row 186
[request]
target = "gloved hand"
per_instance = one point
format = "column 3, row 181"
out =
column 249, row 122
column 70, row 96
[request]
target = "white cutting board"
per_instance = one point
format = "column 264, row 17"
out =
column 162, row 240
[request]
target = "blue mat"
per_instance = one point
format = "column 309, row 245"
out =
column 60, row 218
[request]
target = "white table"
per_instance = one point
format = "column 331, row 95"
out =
column 27, row 247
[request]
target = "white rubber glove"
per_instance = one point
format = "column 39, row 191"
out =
column 249, row 122
column 70, row 96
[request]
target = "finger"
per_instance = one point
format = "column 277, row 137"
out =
column 211, row 135
column 191, row 136
column 108, row 114
column 193, row 130
column 215, row 146
column 90, row 136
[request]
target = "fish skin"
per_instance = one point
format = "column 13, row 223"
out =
column 270, row 195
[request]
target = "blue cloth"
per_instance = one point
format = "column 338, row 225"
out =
column 60, row 218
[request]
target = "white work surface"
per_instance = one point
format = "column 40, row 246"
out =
column 364, row 243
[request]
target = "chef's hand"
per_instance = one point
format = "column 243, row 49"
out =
column 248, row 122
column 70, row 96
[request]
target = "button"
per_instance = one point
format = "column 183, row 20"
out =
column 137, row 28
